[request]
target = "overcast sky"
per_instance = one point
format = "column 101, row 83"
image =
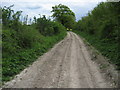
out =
column 35, row 7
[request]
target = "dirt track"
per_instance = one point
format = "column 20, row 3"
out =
column 67, row 65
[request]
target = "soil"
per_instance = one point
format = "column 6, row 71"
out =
column 68, row 64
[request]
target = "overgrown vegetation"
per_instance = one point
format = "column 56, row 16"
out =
column 100, row 28
column 23, row 43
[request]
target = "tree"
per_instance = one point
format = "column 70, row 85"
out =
column 64, row 15
column 7, row 15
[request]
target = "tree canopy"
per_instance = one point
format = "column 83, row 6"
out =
column 64, row 15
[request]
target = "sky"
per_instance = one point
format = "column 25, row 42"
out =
column 43, row 7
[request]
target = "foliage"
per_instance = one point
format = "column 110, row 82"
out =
column 64, row 15
column 22, row 43
column 101, row 28
column 47, row 27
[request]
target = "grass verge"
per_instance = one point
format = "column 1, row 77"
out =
column 108, row 48
column 14, row 63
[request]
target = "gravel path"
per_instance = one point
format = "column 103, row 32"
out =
column 67, row 65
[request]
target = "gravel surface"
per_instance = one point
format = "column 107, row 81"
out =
column 67, row 65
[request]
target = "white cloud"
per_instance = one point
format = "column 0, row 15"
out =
column 43, row 7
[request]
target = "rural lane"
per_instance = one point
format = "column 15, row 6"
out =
column 67, row 65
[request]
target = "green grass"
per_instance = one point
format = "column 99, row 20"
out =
column 106, row 47
column 18, row 58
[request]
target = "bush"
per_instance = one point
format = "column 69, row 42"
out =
column 101, row 28
column 22, row 44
